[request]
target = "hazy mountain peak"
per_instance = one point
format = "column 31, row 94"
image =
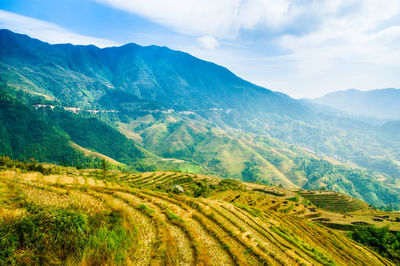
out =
column 381, row 103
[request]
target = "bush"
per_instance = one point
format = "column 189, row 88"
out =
column 56, row 236
column 380, row 239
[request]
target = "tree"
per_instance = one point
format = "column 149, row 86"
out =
column 250, row 171
column 104, row 167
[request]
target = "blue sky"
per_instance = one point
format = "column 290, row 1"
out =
column 304, row 48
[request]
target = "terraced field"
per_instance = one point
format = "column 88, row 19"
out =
column 228, row 227
column 334, row 201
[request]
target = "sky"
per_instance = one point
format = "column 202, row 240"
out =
column 304, row 48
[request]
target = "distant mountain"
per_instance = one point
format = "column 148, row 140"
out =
column 131, row 77
column 178, row 112
column 382, row 103
column 392, row 127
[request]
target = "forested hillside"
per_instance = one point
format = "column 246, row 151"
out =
column 45, row 134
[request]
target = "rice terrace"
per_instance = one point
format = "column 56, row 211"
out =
column 165, row 218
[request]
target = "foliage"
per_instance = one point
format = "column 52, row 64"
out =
column 250, row 171
column 6, row 162
column 56, row 236
column 354, row 182
column 296, row 198
column 24, row 135
column 230, row 184
column 382, row 240
column 89, row 132
column 311, row 251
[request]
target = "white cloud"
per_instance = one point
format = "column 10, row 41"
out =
column 46, row 31
column 357, row 37
column 208, row 42
column 220, row 19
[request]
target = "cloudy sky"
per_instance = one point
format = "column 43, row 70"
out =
column 304, row 48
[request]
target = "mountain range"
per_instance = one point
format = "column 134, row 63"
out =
column 382, row 103
column 148, row 108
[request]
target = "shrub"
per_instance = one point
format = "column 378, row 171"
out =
column 58, row 235
column 380, row 239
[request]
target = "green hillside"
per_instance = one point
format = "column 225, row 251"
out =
column 45, row 134
column 250, row 157
column 154, row 108
column 24, row 135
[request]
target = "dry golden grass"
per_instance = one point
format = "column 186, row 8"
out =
column 11, row 214
column 229, row 227
column 45, row 197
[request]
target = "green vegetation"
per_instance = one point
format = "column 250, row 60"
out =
column 91, row 133
column 173, row 217
column 296, row 198
column 316, row 254
column 24, row 135
column 6, row 162
column 250, row 171
column 144, row 208
column 333, row 201
column 382, row 240
column 230, row 184
column 354, row 182
column 55, row 235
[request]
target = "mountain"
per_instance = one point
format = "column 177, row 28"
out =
column 391, row 127
column 131, row 76
column 154, row 108
column 382, row 103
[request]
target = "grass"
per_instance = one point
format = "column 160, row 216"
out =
column 255, row 212
column 333, row 201
column 310, row 251
column 97, row 225
column 173, row 217
column 145, row 209
column 58, row 236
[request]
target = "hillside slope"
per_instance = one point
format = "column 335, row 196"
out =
column 31, row 129
column 153, row 226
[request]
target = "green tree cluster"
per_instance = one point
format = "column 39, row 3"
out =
column 382, row 240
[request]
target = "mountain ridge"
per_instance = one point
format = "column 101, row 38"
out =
column 381, row 103
column 137, row 73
